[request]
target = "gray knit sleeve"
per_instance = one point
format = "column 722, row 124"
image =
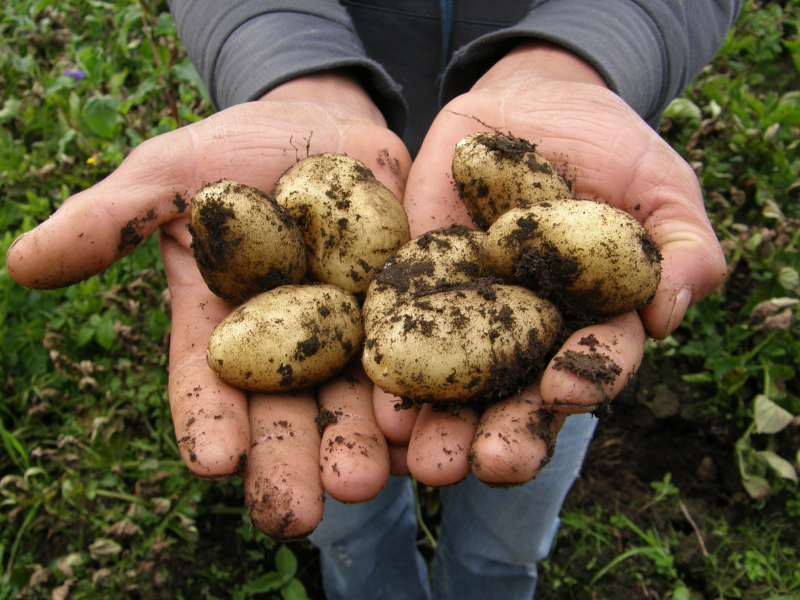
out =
column 647, row 50
column 244, row 48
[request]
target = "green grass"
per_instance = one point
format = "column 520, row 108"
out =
column 93, row 495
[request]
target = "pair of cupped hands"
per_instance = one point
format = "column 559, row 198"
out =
column 537, row 92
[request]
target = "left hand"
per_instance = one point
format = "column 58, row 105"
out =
column 556, row 100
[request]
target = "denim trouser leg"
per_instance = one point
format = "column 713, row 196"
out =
column 491, row 539
column 369, row 550
column 489, row 543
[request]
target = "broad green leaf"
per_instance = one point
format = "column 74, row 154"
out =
column 285, row 561
column 294, row 590
column 186, row 72
column 266, row 583
column 85, row 335
column 681, row 593
column 62, row 82
column 770, row 418
column 105, row 333
column 103, row 547
column 789, row 278
column 100, row 113
column 683, row 108
column 150, row 464
column 781, row 466
column 24, row 64
column 757, row 487
column 10, row 109
column 69, row 135
column 698, row 378
column 165, row 25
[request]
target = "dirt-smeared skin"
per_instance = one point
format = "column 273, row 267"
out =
column 354, row 456
column 439, row 452
column 131, row 234
column 506, row 429
column 593, row 366
column 283, row 491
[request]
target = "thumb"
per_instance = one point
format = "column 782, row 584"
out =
column 250, row 143
column 98, row 226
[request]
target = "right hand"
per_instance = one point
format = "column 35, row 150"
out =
column 222, row 431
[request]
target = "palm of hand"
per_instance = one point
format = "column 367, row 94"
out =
column 274, row 440
column 614, row 157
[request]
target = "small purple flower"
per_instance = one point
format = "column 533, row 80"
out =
column 76, row 74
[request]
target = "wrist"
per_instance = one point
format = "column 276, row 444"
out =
column 338, row 92
column 538, row 59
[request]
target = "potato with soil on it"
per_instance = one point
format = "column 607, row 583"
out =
column 350, row 221
column 495, row 172
column 433, row 261
column 287, row 338
column 474, row 342
column 594, row 257
column 244, row 243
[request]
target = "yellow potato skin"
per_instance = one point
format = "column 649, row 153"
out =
column 243, row 242
column 468, row 343
column 494, row 172
column 598, row 258
column 434, row 260
column 351, row 222
column 287, row 338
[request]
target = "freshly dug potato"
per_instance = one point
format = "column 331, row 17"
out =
column 433, row 261
column 596, row 257
column 287, row 338
column 244, row 243
column 473, row 342
column 495, row 172
column 350, row 221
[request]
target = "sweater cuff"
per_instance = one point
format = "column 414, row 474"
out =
column 252, row 47
column 624, row 46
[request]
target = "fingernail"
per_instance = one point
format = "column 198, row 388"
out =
column 682, row 301
column 15, row 242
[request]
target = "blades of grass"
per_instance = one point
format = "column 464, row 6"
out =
column 15, row 449
column 420, row 521
column 624, row 556
column 23, row 528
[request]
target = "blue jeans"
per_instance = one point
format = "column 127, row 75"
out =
column 489, row 542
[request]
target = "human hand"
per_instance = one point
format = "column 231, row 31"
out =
column 551, row 97
column 272, row 439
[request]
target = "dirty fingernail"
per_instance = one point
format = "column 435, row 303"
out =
column 682, row 301
column 16, row 241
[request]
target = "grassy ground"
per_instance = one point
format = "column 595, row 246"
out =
column 94, row 501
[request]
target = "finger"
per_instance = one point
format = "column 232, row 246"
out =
column 251, row 143
column 209, row 416
column 594, row 365
column 354, row 456
column 515, row 440
column 614, row 157
column 438, row 453
column 394, row 418
column 282, row 481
